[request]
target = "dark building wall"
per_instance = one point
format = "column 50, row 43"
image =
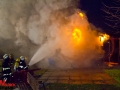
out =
column 115, row 54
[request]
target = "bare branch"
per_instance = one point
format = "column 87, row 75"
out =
column 113, row 15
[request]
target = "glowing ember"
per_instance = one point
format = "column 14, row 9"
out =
column 76, row 34
column 81, row 14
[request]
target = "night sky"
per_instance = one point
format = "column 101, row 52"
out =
column 95, row 14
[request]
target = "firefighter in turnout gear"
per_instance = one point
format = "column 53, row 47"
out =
column 11, row 60
column 6, row 70
column 22, row 64
column 22, row 69
column 16, row 73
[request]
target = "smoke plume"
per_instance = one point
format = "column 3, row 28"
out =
column 42, row 30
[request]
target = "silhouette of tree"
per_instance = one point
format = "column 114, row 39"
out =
column 112, row 15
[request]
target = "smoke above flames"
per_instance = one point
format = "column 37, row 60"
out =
column 51, row 33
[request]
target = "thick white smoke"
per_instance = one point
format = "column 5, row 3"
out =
column 42, row 31
column 14, row 16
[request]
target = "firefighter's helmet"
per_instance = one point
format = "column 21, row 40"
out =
column 5, row 56
column 22, row 58
column 17, row 60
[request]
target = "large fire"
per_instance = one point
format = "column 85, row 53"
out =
column 77, row 34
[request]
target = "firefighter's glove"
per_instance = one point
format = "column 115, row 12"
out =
column 21, row 66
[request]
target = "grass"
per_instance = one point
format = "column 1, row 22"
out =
column 114, row 73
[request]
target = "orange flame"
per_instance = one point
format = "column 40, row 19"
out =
column 103, row 38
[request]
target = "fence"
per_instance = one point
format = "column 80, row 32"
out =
column 32, row 81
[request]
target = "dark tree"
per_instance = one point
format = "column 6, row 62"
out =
column 112, row 15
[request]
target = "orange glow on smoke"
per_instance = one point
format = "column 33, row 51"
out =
column 76, row 34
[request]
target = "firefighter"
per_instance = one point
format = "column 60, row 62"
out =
column 15, row 74
column 6, row 70
column 22, row 69
column 11, row 60
column 22, row 64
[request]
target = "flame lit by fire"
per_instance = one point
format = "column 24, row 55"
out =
column 106, row 36
column 81, row 14
column 76, row 34
column 103, row 38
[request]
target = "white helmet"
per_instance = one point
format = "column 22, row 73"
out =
column 22, row 58
column 5, row 56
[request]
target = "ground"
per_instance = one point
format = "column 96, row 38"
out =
column 77, row 76
column 81, row 79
